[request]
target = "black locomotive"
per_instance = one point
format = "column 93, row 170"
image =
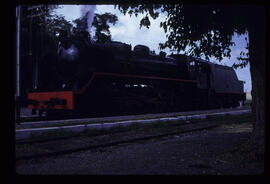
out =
column 112, row 79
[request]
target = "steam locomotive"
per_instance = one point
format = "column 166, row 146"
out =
column 112, row 79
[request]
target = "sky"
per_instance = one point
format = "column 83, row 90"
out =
column 127, row 30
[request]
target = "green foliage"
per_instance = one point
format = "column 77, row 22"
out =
column 101, row 24
column 39, row 27
column 196, row 30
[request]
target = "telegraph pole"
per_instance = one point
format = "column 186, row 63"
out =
column 18, row 12
column 33, row 51
column 18, row 17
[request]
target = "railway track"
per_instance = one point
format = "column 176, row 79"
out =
column 108, row 139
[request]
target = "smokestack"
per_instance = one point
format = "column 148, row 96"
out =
column 88, row 11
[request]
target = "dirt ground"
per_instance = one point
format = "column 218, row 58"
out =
column 221, row 151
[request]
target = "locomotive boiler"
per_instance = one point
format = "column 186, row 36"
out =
column 111, row 78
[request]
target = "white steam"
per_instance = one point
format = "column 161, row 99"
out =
column 91, row 10
column 69, row 54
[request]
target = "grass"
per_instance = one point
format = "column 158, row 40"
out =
column 232, row 118
column 52, row 134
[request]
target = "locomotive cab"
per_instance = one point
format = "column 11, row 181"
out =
column 200, row 71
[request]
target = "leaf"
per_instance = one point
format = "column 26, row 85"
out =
column 145, row 22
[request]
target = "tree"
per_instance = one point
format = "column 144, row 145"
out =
column 81, row 24
column 80, row 35
column 101, row 24
column 208, row 30
column 39, row 29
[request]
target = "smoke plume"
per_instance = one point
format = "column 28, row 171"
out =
column 89, row 10
column 69, row 54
